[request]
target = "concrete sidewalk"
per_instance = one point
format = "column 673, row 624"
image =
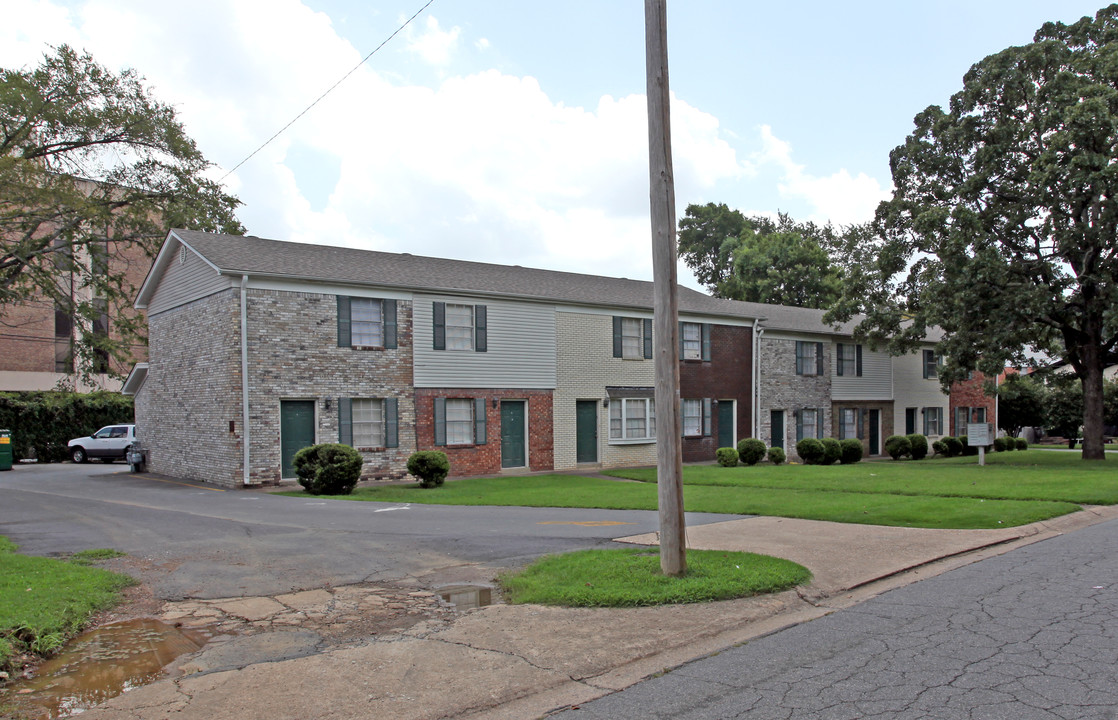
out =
column 525, row 661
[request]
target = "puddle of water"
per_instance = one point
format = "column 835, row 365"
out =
column 467, row 597
column 103, row 663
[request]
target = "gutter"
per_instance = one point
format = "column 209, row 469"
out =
column 244, row 378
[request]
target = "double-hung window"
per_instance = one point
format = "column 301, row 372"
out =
column 848, row 423
column 366, row 323
column 931, row 365
column 460, row 421
column 632, row 338
column 460, row 327
column 848, row 360
column 933, row 421
column 692, row 418
column 809, row 358
column 809, row 423
column 368, row 423
column 691, row 335
column 632, row 419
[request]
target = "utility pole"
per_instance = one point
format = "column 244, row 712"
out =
column 669, row 452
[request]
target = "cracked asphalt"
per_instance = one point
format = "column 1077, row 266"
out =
column 1029, row 635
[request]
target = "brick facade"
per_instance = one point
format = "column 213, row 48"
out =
column 727, row 376
column 782, row 389
column 970, row 394
column 486, row 459
column 885, row 426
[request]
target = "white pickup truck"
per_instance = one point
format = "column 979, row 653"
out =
column 107, row 444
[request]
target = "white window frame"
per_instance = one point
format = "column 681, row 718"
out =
column 627, row 416
column 692, row 334
column 459, row 327
column 848, row 365
column 933, row 416
column 807, row 358
column 692, row 418
column 632, row 338
column 366, row 322
column 459, row 421
column 801, row 426
column 848, row 423
column 367, row 422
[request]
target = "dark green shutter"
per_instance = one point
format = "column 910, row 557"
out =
column 390, row 342
column 440, row 421
column 861, row 422
column 799, row 359
column 481, row 334
column 617, row 341
column 681, row 341
column 438, row 325
column 479, row 421
column 706, row 342
column 838, row 359
column 799, row 425
column 391, row 423
column 707, row 407
column 858, row 360
column 345, row 421
column 343, row 321
column 648, row 339
column 819, row 422
column 819, row 369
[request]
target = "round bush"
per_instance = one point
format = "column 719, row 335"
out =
column 954, row 446
column 939, row 447
column 811, row 451
column 776, row 455
column 727, row 457
column 918, row 446
column 1010, row 443
column 851, row 451
column 832, row 451
column 999, row 444
column 751, row 450
column 1021, row 443
column 967, row 449
column 897, row 446
column 328, row 469
column 430, row 466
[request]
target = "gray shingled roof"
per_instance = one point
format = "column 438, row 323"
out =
column 236, row 255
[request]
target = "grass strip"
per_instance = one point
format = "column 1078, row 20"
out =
column 631, row 577
column 45, row 601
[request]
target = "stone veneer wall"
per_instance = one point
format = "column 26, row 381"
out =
column 585, row 367
column 486, row 459
column 193, row 391
column 782, row 389
column 294, row 355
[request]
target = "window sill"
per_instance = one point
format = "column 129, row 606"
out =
column 633, row 441
column 371, row 449
column 366, row 347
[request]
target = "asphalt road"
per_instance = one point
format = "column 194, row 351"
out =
column 1029, row 635
column 205, row 542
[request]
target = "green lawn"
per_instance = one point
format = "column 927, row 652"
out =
column 1014, row 488
column 43, row 601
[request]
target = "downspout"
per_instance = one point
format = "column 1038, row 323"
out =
column 244, row 377
column 758, row 331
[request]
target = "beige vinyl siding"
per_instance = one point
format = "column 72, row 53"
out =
column 876, row 382
column 520, row 347
column 185, row 282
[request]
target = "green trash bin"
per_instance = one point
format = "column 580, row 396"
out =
column 6, row 450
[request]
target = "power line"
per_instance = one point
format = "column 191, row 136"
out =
column 328, row 91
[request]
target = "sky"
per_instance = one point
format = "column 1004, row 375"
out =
column 515, row 132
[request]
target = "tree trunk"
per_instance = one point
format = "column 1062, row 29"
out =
column 1092, row 379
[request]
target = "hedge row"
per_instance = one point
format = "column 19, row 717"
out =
column 43, row 422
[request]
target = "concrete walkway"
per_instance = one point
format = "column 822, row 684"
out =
column 526, row 661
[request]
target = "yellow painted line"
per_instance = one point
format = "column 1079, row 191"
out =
column 585, row 523
column 176, row 482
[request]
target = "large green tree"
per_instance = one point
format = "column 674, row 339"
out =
column 1021, row 403
column 93, row 171
column 759, row 259
column 1003, row 228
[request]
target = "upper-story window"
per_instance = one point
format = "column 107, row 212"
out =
column 694, row 341
column 632, row 338
column 809, row 358
column 931, row 365
column 848, row 360
column 366, row 323
column 458, row 326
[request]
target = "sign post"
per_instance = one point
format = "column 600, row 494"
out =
column 980, row 435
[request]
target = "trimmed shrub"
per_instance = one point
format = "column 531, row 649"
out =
column 328, row 469
column 918, row 446
column 430, row 466
column 851, row 451
column 954, row 446
column 811, row 451
column 897, row 446
column 967, row 449
column 776, row 455
column 939, row 447
column 751, row 450
column 727, row 457
column 832, row 451
column 1010, row 443
column 1021, row 443
column 999, row 444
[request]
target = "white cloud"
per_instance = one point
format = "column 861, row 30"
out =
column 435, row 45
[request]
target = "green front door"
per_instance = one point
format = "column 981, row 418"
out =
column 512, row 434
column 726, row 424
column 296, row 431
column 875, row 432
column 586, row 431
column 776, row 427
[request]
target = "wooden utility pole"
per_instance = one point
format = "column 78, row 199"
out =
column 669, row 452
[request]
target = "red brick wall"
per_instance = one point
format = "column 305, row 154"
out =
column 486, row 459
column 970, row 393
column 728, row 376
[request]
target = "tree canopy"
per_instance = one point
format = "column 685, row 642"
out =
column 93, row 169
column 758, row 259
column 1003, row 227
